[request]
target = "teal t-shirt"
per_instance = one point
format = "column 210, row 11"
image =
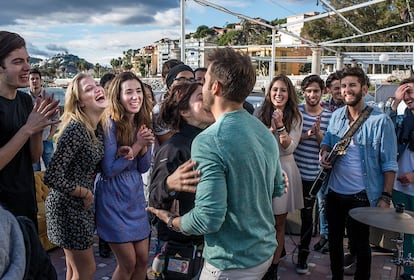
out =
column 240, row 174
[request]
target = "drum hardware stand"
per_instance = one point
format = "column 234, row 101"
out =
column 399, row 259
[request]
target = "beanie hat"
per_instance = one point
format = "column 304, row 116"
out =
column 174, row 72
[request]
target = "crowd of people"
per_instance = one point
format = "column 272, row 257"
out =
column 200, row 167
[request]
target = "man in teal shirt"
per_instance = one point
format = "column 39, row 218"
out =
column 240, row 174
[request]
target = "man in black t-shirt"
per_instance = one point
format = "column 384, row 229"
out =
column 21, row 126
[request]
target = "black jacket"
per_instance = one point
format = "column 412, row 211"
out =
column 170, row 155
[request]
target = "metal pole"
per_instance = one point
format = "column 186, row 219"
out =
column 272, row 62
column 182, row 54
column 412, row 67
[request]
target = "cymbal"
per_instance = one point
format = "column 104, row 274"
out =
column 385, row 218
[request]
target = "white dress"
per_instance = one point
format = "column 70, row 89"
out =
column 293, row 199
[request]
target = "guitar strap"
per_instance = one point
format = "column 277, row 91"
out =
column 339, row 149
column 359, row 121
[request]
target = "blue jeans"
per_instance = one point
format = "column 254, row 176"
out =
column 337, row 208
column 323, row 223
column 408, row 246
column 47, row 154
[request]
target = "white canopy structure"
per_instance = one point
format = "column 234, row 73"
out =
column 340, row 58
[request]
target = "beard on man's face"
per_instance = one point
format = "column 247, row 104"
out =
column 208, row 100
column 357, row 98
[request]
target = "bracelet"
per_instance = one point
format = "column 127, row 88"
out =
column 280, row 129
column 386, row 199
column 170, row 225
column 386, row 194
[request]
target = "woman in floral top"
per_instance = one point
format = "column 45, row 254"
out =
column 70, row 176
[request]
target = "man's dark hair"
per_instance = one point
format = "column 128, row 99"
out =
column 234, row 71
column 106, row 78
column 312, row 79
column 166, row 66
column 9, row 42
column 36, row 71
column 407, row 81
column 356, row 72
column 335, row 76
column 202, row 69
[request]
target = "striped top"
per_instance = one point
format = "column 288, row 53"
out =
column 307, row 152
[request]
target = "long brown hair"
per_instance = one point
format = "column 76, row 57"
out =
column 291, row 112
column 125, row 130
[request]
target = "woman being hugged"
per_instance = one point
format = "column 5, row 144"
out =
column 71, row 173
column 121, row 218
column 280, row 113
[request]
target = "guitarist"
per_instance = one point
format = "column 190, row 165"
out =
column 363, row 176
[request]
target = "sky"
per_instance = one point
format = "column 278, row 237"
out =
column 99, row 30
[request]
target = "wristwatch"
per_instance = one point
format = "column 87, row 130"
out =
column 170, row 222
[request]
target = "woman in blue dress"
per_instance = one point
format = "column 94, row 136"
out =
column 121, row 219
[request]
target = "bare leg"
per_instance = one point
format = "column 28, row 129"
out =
column 126, row 260
column 141, row 250
column 80, row 264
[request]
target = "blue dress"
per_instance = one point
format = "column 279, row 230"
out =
column 119, row 195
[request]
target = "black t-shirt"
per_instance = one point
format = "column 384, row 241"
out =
column 17, row 187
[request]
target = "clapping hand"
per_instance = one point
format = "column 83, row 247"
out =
column 277, row 120
column 315, row 127
column 126, row 152
column 145, row 136
column 44, row 109
column 144, row 139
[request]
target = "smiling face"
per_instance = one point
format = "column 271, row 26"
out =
column 312, row 94
column 279, row 94
column 335, row 91
column 14, row 73
column 92, row 97
column 409, row 97
column 131, row 96
column 352, row 91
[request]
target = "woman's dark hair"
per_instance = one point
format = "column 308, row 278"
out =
column 290, row 113
column 177, row 101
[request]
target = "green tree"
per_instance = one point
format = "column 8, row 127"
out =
column 202, row 32
column 115, row 63
column 232, row 38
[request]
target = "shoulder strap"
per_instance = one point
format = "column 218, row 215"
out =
column 359, row 121
column 341, row 146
